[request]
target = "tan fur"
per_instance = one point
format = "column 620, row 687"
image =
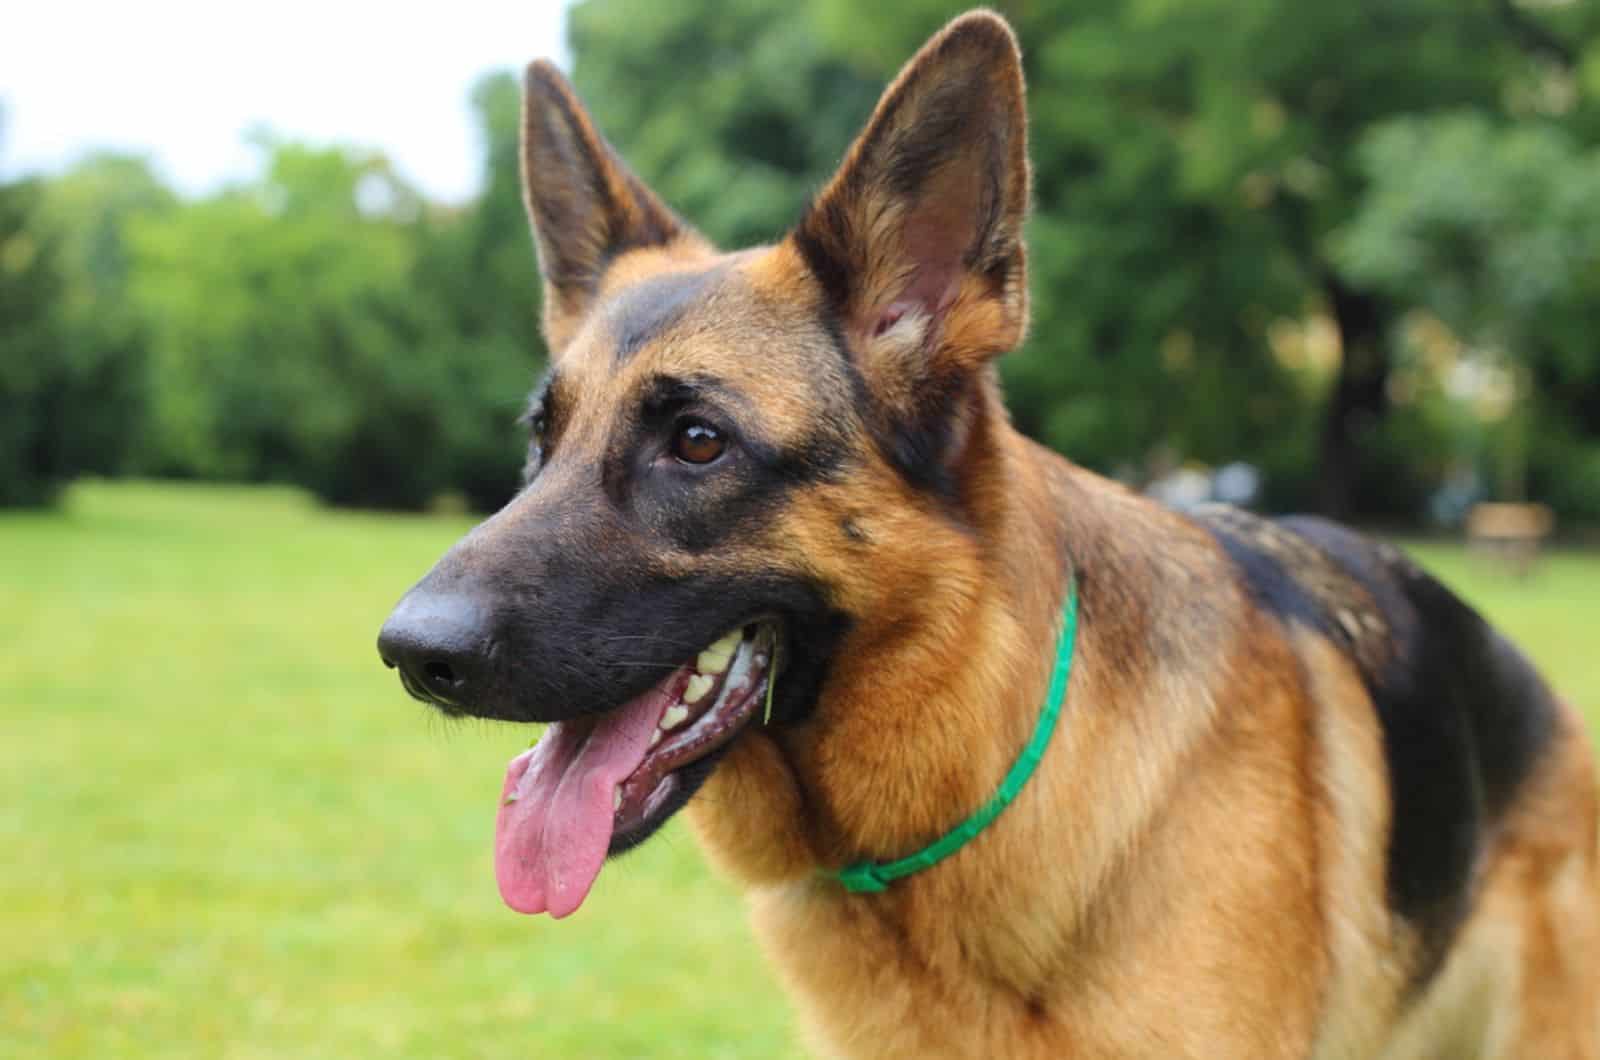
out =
column 1197, row 868
column 1525, row 976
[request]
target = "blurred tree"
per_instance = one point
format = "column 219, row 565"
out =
column 1221, row 251
column 287, row 344
column 30, row 343
column 102, row 418
column 1193, row 162
column 1495, row 230
column 327, row 327
column 477, row 268
column 734, row 112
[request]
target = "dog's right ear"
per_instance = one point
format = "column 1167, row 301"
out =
column 917, row 240
column 586, row 207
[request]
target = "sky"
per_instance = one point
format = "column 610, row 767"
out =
column 182, row 81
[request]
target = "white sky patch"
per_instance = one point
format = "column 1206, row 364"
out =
column 182, row 82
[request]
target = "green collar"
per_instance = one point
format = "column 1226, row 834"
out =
column 870, row 877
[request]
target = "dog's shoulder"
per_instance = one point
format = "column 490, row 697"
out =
column 1464, row 717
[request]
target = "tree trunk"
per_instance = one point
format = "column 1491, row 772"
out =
column 1359, row 399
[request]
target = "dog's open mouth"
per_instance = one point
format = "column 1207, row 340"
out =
column 593, row 784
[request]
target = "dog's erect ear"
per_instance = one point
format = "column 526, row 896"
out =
column 917, row 241
column 587, row 208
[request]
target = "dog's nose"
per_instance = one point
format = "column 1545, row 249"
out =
column 441, row 645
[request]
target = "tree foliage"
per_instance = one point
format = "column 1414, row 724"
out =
column 32, row 375
column 1257, row 224
column 1194, row 165
column 322, row 325
column 1494, row 230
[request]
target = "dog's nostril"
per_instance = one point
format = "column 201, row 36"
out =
column 438, row 672
column 438, row 644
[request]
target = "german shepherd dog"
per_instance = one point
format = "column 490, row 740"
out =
column 782, row 562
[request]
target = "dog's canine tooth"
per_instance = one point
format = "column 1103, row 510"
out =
column 674, row 717
column 655, row 737
column 697, row 687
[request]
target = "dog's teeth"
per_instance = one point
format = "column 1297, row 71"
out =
column 697, row 687
column 616, row 799
column 655, row 737
column 712, row 662
column 715, row 659
column 674, row 717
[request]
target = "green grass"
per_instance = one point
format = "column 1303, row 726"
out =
column 228, row 833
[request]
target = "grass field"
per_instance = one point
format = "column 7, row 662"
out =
column 228, row 833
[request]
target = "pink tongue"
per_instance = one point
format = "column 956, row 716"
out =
column 551, row 840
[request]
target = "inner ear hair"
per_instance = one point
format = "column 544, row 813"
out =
column 924, row 219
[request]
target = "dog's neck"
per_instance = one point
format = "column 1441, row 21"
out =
column 947, row 685
column 931, row 700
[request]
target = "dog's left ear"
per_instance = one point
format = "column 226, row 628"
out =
column 586, row 206
column 917, row 241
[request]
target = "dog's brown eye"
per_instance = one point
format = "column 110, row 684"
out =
column 698, row 443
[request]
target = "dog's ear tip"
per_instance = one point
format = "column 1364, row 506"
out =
column 551, row 107
column 545, row 69
column 983, row 30
column 979, row 49
column 543, row 78
column 982, row 23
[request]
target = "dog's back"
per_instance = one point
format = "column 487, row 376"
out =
column 1491, row 804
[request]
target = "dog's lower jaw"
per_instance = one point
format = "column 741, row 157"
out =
column 749, row 815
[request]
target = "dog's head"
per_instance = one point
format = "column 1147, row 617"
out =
column 739, row 464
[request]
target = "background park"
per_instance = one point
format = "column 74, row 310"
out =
column 1354, row 246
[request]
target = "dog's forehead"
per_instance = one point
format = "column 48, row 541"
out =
column 646, row 311
column 724, row 320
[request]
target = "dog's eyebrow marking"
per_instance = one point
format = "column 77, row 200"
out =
column 662, row 392
column 548, row 400
column 539, row 399
column 642, row 311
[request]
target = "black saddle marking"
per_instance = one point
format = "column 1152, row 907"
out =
column 1464, row 716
